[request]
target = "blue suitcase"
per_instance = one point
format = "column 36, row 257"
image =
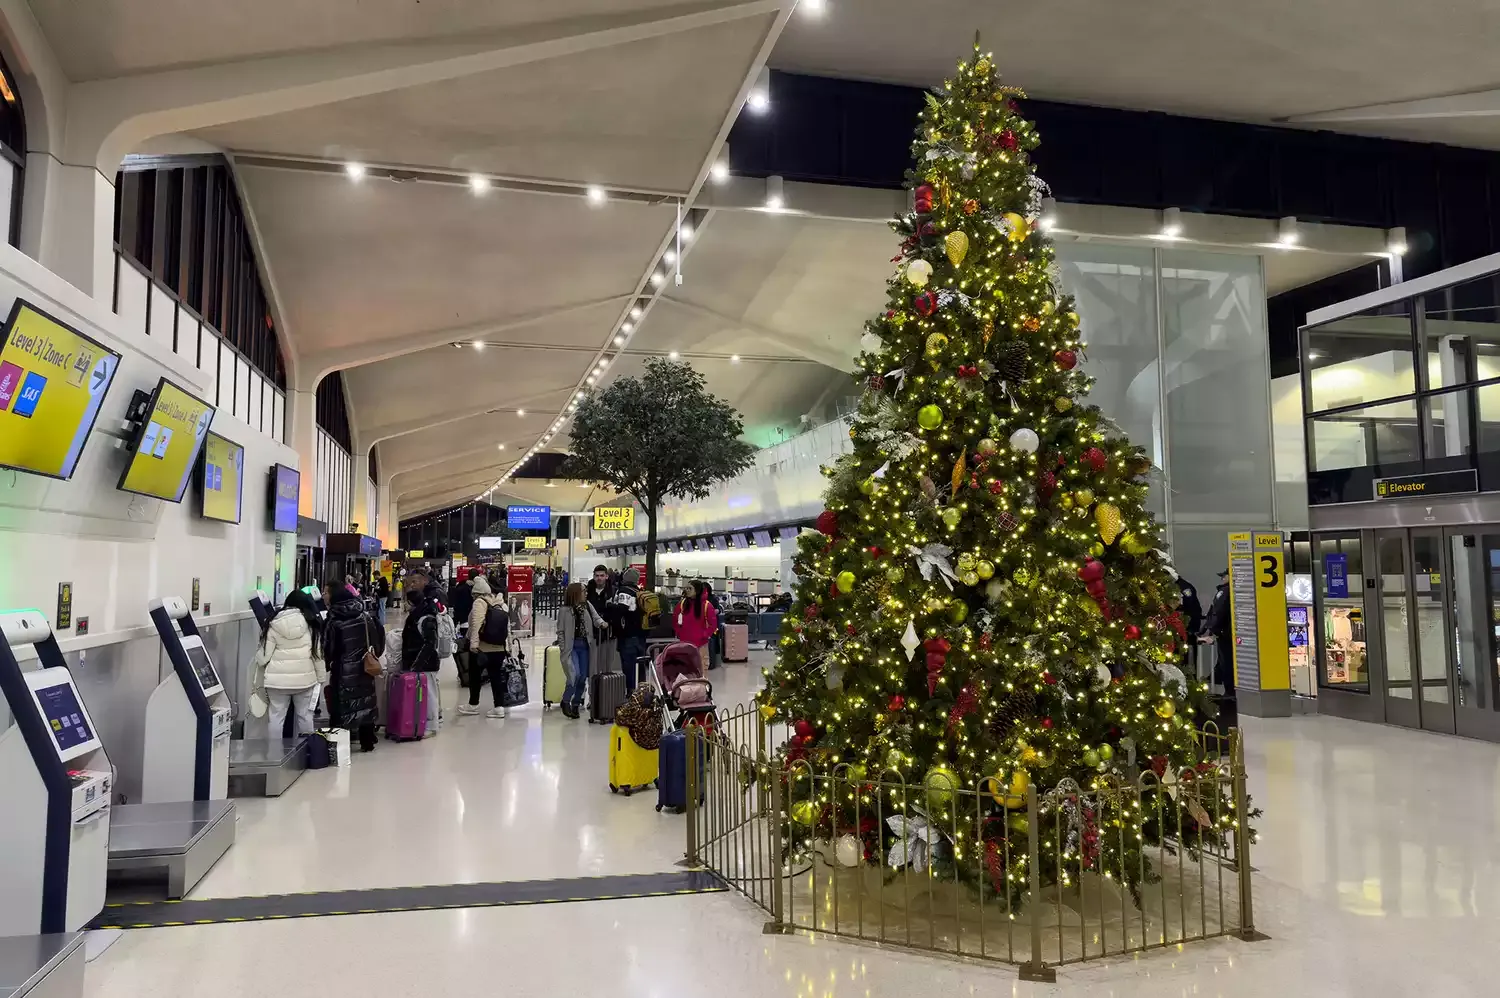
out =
column 671, row 781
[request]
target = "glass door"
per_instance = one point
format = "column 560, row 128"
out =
column 1393, row 589
column 1474, row 557
column 1432, row 637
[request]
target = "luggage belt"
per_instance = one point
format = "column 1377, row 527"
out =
column 384, row 900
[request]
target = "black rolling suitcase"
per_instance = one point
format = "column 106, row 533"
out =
column 606, row 694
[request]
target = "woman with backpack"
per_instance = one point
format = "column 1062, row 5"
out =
column 578, row 626
column 489, row 626
column 353, row 642
column 696, row 620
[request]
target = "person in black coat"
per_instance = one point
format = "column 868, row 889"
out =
column 349, row 632
column 1217, row 627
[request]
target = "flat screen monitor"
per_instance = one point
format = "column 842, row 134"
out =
column 223, row 472
column 762, row 538
column 286, row 488
column 62, row 711
column 167, row 444
column 203, row 666
column 52, row 382
column 528, row 517
column 492, row 543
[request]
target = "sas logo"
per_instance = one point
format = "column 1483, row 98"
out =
column 30, row 395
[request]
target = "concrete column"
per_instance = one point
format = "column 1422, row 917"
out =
column 359, row 511
column 67, row 223
column 383, row 509
column 303, row 436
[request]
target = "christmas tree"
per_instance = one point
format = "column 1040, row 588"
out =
column 986, row 603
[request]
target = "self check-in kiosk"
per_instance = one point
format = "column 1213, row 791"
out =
column 187, row 718
column 55, row 782
column 261, row 606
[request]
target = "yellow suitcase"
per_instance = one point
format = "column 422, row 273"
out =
column 631, row 767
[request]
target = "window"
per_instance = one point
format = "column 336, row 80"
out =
column 12, row 156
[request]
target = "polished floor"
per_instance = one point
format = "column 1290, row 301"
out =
column 1378, row 873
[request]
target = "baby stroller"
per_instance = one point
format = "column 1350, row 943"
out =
column 677, row 674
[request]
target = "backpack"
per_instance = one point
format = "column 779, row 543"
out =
column 650, row 604
column 496, row 626
column 447, row 635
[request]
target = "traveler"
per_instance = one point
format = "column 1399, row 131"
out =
column 1217, row 630
column 600, row 590
column 577, row 629
column 419, row 640
column 348, row 635
column 287, row 669
column 696, row 620
column 461, row 596
column 382, row 588
column 630, row 632
column 489, row 625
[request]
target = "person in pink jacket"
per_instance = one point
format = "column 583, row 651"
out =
column 696, row 621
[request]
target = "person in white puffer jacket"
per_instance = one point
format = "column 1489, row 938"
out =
column 288, row 670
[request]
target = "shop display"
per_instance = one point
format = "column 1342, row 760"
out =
column 1344, row 645
column 1298, row 651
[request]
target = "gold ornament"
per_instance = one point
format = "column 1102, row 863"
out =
column 1073, row 319
column 894, row 760
column 804, row 812
column 845, row 582
column 767, row 711
column 989, row 330
column 856, row 772
column 941, row 783
column 1048, row 307
column 1066, row 501
column 1165, row 709
column 1017, row 228
column 959, row 467
column 1062, row 403
column 1107, row 515
column 1031, row 323
column 1022, row 576
column 1133, row 544
column 936, row 344
column 969, row 578
column 1084, row 497
column 971, row 206
column 984, row 568
column 957, row 246
column 944, row 191
column 983, row 67
column 1017, row 796
column 966, row 562
column 1096, row 549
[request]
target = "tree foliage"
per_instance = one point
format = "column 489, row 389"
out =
column 662, row 434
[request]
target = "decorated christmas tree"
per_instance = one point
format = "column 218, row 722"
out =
column 986, row 604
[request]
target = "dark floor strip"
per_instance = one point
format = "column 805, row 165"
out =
column 157, row 914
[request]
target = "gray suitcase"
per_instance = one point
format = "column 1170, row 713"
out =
column 606, row 694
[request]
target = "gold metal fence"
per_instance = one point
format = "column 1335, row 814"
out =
column 990, row 872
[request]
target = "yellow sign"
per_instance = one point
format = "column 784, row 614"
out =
column 52, row 383
column 223, row 468
column 1257, row 598
column 614, row 518
column 418, row 554
column 536, row 543
column 175, row 427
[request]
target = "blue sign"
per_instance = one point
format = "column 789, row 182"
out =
column 528, row 517
column 1336, row 574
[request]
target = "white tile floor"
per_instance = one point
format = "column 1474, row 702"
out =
column 1377, row 875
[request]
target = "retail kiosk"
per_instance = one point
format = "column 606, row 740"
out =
column 187, row 717
column 55, row 781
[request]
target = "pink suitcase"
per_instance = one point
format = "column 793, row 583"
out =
column 736, row 642
column 406, row 704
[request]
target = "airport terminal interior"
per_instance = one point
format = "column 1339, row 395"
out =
column 748, row 497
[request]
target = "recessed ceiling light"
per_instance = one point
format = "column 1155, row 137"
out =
column 520, row 412
column 479, row 344
column 355, row 171
column 619, row 341
column 479, row 184
column 658, row 278
column 719, row 172
column 673, row 355
column 501, row 447
column 759, row 99
column 1171, row 223
column 596, row 194
column 670, row 256
column 592, row 379
column 687, row 232
column 734, row 359
column 815, row 8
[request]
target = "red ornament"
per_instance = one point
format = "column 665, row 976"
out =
column 1091, row 570
column 1065, row 359
column 849, row 629
column 1096, row 459
column 896, row 702
column 1159, row 764
column 973, row 481
column 925, row 303
column 996, row 487
column 927, row 229
column 1007, row 521
column 890, row 313
column 827, row 523
column 922, row 196
column 1132, row 632
column 964, row 705
column 1008, row 140
column 875, row 552
column 1049, row 679
column 1047, row 723
column 1095, row 588
column 803, row 728
column 811, row 611
column 877, row 382
column 984, row 641
column 968, row 370
column 1046, row 483
column 833, row 590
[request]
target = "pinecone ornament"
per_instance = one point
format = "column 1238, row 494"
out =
column 1010, row 362
column 1012, row 707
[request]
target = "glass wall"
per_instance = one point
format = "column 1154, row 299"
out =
column 1409, row 387
column 1176, row 340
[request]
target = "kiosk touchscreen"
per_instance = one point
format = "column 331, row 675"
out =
column 187, row 717
column 55, row 780
column 260, row 605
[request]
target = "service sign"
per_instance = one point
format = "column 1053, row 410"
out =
column 528, row 517
column 614, row 518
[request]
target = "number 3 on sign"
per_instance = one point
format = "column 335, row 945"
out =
column 1270, row 571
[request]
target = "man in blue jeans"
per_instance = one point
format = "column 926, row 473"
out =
column 625, row 618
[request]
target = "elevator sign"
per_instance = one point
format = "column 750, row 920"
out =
column 1257, row 599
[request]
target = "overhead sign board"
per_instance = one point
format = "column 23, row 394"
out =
column 528, row 517
column 1436, row 483
column 536, row 543
column 614, row 518
column 488, row 543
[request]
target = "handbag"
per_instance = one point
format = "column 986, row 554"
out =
column 373, row 667
column 513, row 691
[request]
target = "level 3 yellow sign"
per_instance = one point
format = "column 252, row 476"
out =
column 1257, row 588
column 536, row 543
column 614, row 518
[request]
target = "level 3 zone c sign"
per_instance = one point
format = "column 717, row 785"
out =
column 614, row 518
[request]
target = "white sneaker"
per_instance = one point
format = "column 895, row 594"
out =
column 468, row 708
column 499, row 713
